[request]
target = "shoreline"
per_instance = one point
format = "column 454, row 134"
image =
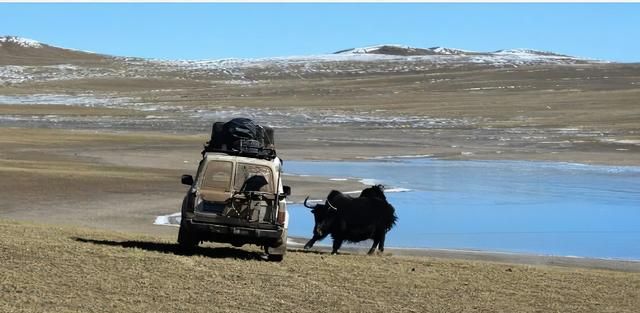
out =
column 296, row 244
column 400, row 158
column 553, row 158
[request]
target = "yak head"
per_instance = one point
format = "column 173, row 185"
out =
column 324, row 216
column 376, row 191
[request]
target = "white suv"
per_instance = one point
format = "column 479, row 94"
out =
column 237, row 200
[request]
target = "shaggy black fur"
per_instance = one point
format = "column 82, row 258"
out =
column 343, row 217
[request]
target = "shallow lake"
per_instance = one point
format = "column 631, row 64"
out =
column 512, row 206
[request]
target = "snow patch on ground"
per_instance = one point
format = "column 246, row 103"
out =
column 370, row 181
column 391, row 157
column 324, row 118
column 168, row 220
column 87, row 100
column 496, row 87
column 17, row 74
column 398, row 190
column 622, row 141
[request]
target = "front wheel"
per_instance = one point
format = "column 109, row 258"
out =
column 187, row 241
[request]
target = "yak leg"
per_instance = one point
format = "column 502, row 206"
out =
column 381, row 245
column 376, row 241
column 337, row 243
column 312, row 241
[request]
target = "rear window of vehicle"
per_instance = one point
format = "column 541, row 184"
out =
column 217, row 175
column 252, row 177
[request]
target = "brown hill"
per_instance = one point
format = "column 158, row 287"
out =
column 21, row 51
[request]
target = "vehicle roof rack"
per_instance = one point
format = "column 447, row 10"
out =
column 241, row 137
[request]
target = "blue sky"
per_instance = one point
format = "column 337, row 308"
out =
column 216, row 30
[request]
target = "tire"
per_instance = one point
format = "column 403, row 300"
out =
column 275, row 257
column 187, row 241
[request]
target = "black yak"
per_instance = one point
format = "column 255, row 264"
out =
column 368, row 216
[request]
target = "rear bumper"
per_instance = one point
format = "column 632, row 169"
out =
column 234, row 230
column 235, row 234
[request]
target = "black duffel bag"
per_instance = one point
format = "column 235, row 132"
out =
column 242, row 136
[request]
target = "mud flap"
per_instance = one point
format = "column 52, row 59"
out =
column 277, row 253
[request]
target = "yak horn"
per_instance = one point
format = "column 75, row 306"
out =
column 305, row 203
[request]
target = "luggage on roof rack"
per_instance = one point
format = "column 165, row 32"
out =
column 242, row 136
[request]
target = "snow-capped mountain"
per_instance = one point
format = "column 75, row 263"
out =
column 400, row 50
column 448, row 51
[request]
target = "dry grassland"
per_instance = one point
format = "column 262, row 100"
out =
column 63, row 269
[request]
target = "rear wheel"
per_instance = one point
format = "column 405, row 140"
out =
column 186, row 239
column 275, row 257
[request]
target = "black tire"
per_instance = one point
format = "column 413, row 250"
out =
column 187, row 241
column 275, row 257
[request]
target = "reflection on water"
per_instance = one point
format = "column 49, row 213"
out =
column 516, row 206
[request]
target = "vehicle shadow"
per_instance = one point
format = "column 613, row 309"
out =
column 174, row 248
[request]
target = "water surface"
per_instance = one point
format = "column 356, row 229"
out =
column 514, row 206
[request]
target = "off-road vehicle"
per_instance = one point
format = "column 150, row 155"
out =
column 237, row 196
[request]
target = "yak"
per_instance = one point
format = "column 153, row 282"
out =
column 368, row 216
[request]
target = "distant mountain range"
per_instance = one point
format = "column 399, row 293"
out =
column 18, row 47
column 400, row 50
column 23, row 60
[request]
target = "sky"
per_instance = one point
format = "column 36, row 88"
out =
column 254, row 30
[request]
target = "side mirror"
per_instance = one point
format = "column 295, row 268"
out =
column 287, row 190
column 187, row 180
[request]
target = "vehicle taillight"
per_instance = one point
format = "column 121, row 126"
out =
column 197, row 203
column 281, row 216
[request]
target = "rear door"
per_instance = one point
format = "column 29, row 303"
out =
column 215, row 186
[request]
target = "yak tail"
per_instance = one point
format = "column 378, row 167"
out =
column 393, row 220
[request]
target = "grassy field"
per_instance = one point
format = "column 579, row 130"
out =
column 68, row 269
